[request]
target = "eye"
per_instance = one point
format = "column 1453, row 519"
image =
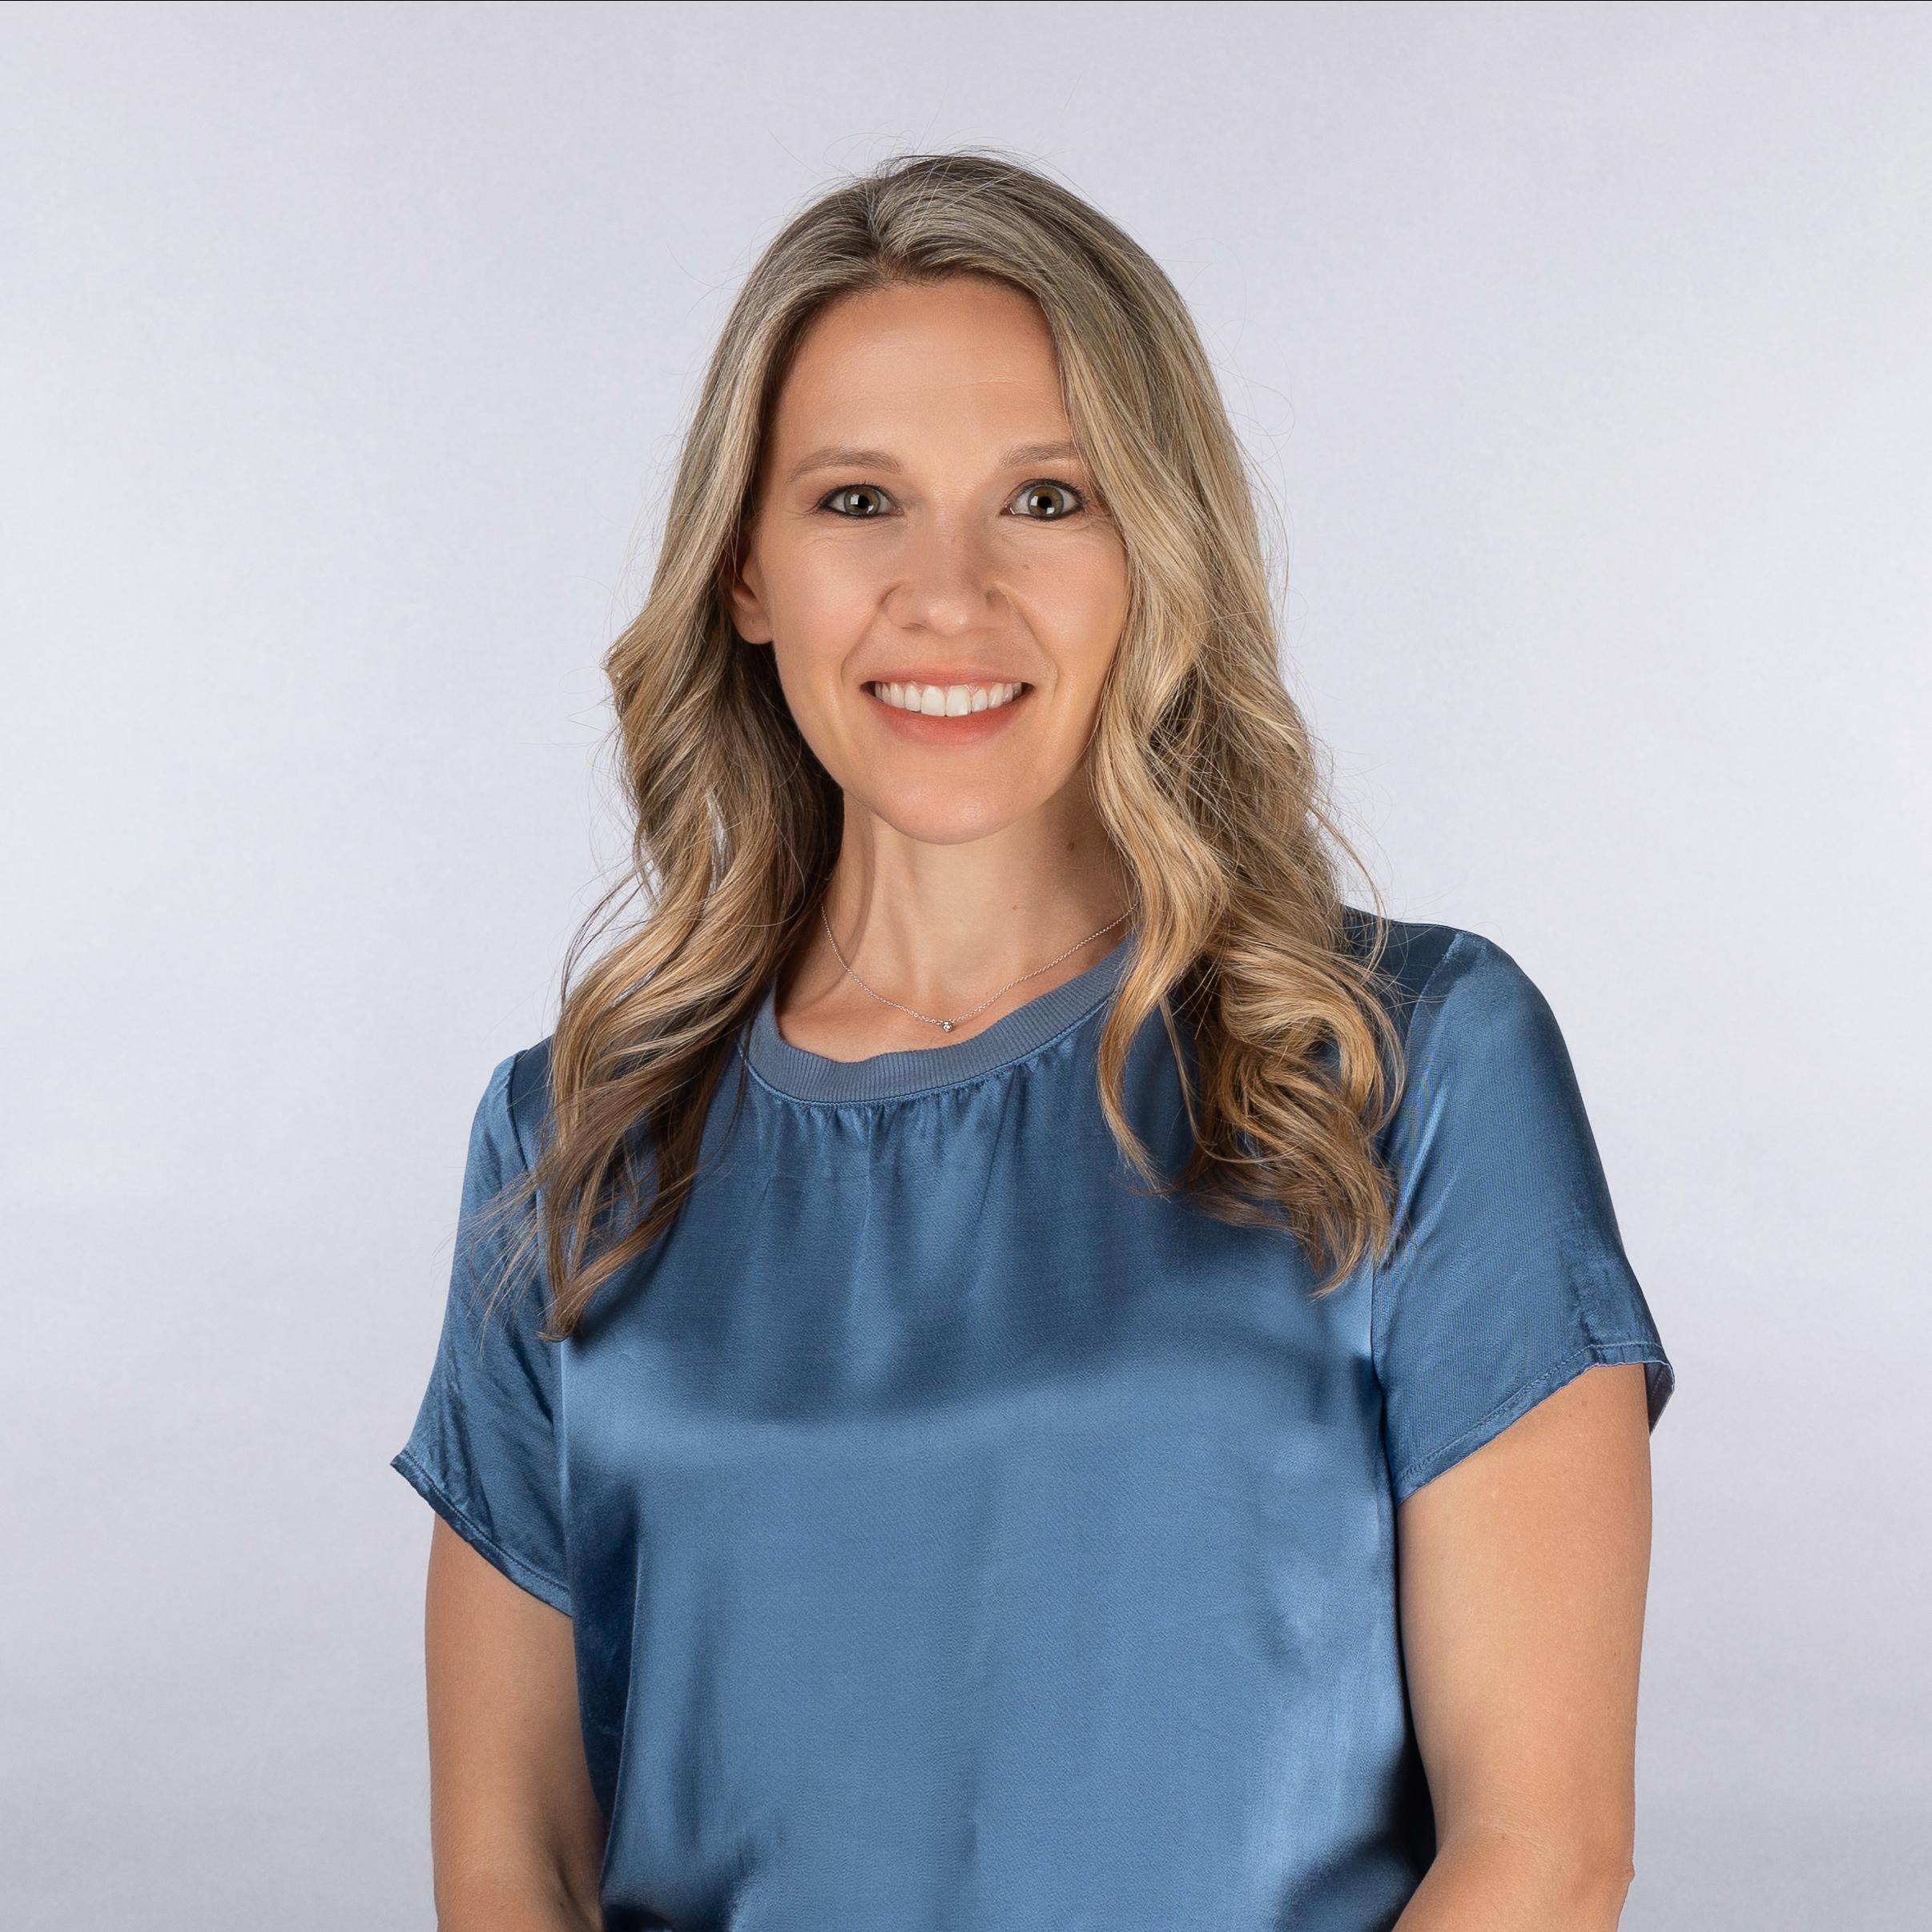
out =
column 853, row 490
column 1046, row 501
column 1041, row 496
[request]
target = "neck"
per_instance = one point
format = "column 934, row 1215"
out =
column 942, row 929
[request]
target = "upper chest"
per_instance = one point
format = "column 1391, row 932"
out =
column 981, row 1274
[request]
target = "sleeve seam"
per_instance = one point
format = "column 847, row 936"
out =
column 1633, row 1348
column 517, row 1567
column 510, row 1108
column 1375, row 1268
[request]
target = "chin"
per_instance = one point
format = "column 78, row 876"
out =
column 948, row 814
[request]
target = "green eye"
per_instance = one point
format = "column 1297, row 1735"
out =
column 1042, row 496
column 854, row 489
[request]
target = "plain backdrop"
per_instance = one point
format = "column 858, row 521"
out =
column 346, row 350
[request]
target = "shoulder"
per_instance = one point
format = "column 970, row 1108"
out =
column 1463, row 1004
column 514, row 1111
column 1423, row 961
column 520, row 1099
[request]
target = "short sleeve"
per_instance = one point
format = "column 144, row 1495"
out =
column 1510, row 1277
column 483, row 1453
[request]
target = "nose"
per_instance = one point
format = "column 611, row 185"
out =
column 946, row 583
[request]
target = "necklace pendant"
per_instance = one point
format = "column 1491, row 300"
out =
column 945, row 1026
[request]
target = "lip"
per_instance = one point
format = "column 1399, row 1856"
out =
column 970, row 727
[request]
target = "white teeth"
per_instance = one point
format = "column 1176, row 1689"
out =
column 946, row 701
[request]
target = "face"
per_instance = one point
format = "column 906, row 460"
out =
column 925, row 539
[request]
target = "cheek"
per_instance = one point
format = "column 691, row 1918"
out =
column 822, row 603
column 822, row 589
column 1077, row 606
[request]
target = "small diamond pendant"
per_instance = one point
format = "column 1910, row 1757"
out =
column 945, row 1026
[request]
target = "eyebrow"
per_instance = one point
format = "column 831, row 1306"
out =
column 840, row 456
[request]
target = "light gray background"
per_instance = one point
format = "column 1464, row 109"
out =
column 345, row 353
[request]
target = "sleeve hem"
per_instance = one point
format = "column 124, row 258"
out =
column 1659, row 1380
column 539, row 1583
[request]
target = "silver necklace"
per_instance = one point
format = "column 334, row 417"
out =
column 946, row 1026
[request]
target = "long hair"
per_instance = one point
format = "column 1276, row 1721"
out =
column 1202, row 768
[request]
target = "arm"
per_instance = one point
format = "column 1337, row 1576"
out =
column 1522, row 1571
column 516, row 1835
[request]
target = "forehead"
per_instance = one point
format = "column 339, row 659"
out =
column 889, row 363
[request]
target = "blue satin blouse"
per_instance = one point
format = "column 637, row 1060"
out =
column 957, row 1540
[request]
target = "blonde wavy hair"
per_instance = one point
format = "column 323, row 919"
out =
column 1202, row 769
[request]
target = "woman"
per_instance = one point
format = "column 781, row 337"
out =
column 1013, row 1361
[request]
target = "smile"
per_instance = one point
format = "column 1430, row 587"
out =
column 946, row 700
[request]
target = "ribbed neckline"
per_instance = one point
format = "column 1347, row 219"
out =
column 809, row 1076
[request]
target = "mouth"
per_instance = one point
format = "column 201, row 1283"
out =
column 944, row 701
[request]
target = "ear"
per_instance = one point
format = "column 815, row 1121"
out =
column 744, row 592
